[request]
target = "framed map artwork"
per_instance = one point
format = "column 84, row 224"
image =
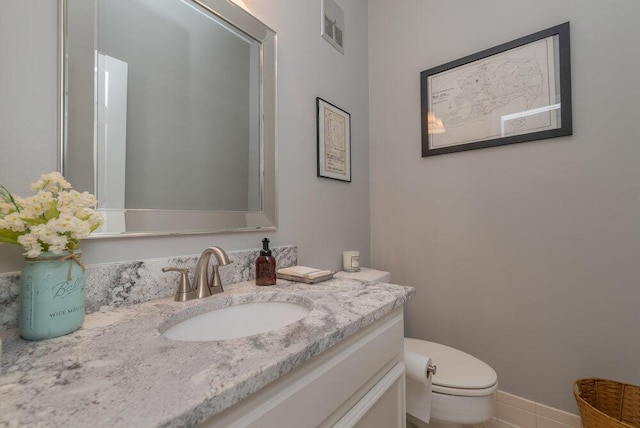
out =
column 334, row 141
column 515, row 92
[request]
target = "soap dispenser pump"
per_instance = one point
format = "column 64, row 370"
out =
column 265, row 266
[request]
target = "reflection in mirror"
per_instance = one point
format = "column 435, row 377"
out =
column 169, row 114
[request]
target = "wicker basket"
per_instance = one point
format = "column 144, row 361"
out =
column 606, row 404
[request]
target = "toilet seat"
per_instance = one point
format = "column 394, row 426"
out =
column 458, row 373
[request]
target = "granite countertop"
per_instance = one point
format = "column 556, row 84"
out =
column 118, row 370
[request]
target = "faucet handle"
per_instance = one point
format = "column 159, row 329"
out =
column 184, row 288
column 216, row 283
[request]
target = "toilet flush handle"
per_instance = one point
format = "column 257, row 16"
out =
column 431, row 369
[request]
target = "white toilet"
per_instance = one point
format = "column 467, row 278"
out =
column 463, row 388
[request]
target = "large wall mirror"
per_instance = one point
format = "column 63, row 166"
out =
column 168, row 114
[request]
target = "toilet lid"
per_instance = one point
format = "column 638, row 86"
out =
column 456, row 370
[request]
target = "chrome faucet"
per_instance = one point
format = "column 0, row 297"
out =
column 203, row 286
column 214, row 284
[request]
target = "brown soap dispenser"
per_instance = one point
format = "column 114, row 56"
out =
column 265, row 266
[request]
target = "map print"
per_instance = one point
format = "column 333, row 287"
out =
column 335, row 150
column 502, row 95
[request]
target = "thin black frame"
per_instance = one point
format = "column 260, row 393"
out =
column 319, row 121
column 564, row 60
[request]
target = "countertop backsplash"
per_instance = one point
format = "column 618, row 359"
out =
column 115, row 284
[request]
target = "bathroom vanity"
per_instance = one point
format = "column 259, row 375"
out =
column 340, row 365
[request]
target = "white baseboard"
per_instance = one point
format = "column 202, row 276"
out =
column 523, row 413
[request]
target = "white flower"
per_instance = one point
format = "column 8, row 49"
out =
column 61, row 224
column 58, row 243
column 14, row 222
column 6, row 208
column 55, row 219
column 42, row 232
column 31, row 245
column 74, row 201
column 84, row 213
column 52, row 182
column 37, row 204
column 95, row 220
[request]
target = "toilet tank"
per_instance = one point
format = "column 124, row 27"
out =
column 366, row 274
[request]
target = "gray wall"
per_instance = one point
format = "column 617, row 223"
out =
column 323, row 217
column 527, row 256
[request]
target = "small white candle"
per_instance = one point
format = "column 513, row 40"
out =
column 351, row 261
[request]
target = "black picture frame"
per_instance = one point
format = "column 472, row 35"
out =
column 334, row 141
column 525, row 85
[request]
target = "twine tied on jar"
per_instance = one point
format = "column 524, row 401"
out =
column 74, row 257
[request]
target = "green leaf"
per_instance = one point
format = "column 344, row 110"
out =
column 8, row 241
column 52, row 212
column 10, row 234
column 33, row 221
column 8, row 197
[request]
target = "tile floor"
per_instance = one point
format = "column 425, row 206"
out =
column 493, row 423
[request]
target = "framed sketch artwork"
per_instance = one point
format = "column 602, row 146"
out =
column 515, row 92
column 334, row 141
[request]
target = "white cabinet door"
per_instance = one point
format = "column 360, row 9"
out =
column 383, row 406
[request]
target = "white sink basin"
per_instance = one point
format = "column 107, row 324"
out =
column 240, row 320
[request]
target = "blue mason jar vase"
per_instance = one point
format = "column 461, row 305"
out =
column 51, row 295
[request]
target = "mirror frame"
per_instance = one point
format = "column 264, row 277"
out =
column 153, row 222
